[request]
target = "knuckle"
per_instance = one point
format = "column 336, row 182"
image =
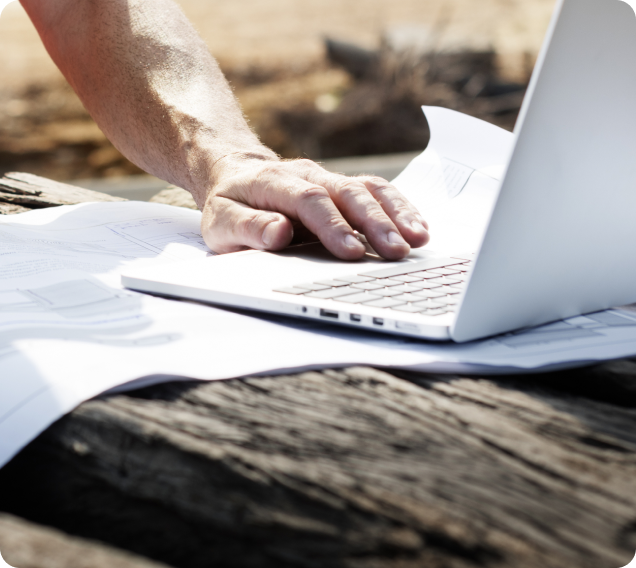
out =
column 250, row 225
column 313, row 193
column 388, row 195
column 376, row 216
column 271, row 170
column 350, row 186
column 335, row 221
column 330, row 224
column 305, row 163
column 377, row 183
column 401, row 208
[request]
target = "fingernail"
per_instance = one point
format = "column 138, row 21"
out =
column 422, row 221
column 269, row 234
column 417, row 226
column 352, row 242
column 395, row 239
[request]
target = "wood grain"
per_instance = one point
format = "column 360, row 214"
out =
column 354, row 468
column 20, row 192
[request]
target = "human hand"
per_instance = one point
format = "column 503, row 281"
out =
column 170, row 111
column 254, row 203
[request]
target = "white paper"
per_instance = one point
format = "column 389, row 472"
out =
column 69, row 332
column 454, row 183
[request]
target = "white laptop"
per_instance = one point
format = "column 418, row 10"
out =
column 561, row 240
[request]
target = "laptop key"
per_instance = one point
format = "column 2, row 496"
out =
column 406, row 298
column 312, row 287
column 408, row 288
column 429, row 294
column 354, row 279
column 407, row 278
column 387, row 292
column 332, row 293
column 461, row 267
column 424, row 274
column 446, row 280
column 331, row 283
column 357, row 298
column 409, row 267
column 294, row 291
column 388, row 282
column 428, row 285
column 385, row 303
column 367, row 286
column 408, row 308
column 444, row 271
column 413, row 286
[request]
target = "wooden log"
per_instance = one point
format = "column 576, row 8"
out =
column 354, row 468
column 25, row 545
column 21, row 192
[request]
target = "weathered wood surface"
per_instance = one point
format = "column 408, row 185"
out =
column 21, row 192
column 25, row 545
column 353, row 468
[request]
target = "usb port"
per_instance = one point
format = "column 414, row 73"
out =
column 329, row 314
column 378, row 321
column 355, row 317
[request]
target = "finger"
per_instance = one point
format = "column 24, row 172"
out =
column 364, row 213
column 407, row 218
column 229, row 226
column 404, row 215
column 277, row 190
column 316, row 210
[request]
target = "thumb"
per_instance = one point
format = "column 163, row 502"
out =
column 230, row 226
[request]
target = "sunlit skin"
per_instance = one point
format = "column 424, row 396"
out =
column 150, row 83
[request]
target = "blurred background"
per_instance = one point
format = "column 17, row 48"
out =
column 339, row 81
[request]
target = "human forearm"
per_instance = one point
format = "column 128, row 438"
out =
column 150, row 83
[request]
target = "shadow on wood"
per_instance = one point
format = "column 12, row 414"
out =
column 25, row 545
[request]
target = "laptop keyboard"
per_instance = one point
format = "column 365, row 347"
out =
column 429, row 287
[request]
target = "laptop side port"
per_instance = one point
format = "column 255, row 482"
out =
column 378, row 321
column 329, row 314
column 355, row 317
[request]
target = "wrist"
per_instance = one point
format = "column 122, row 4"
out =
column 233, row 162
column 217, row 167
